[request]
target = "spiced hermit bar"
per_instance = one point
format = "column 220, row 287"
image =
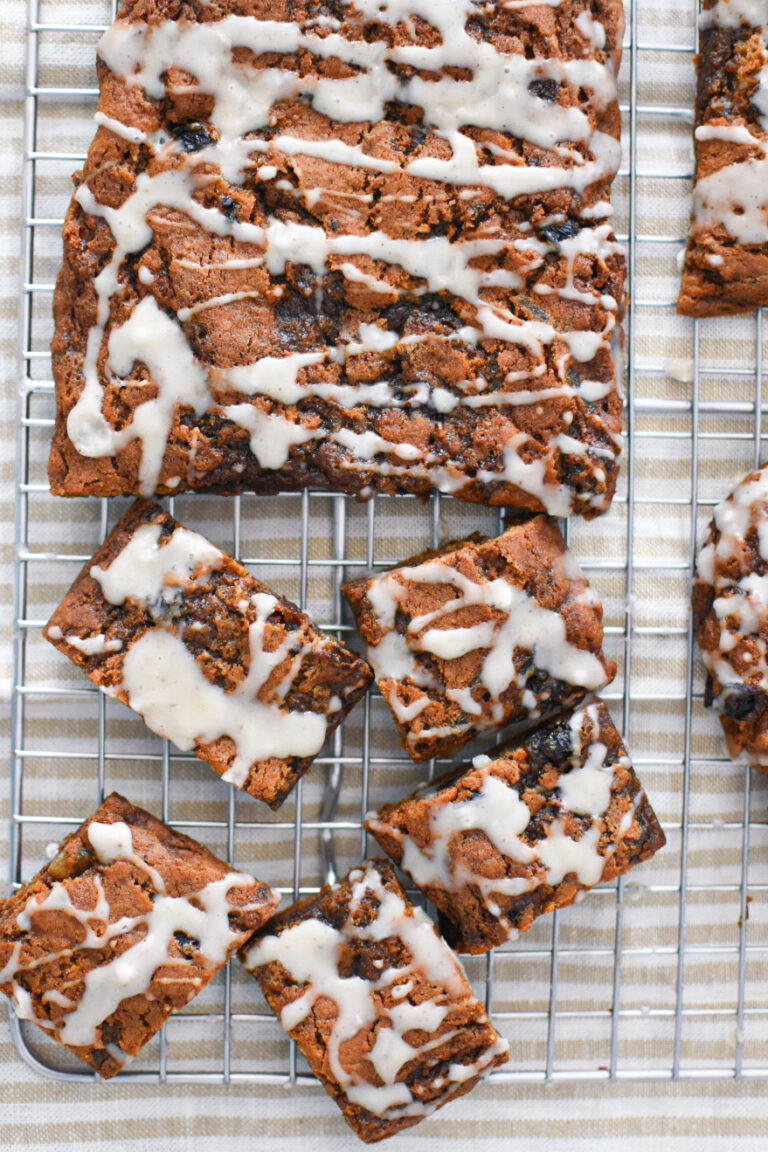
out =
column 523, row 831
column 726, row 262
column 208, row 656
column 731, row 610
column 480, row 634
column 363, row 247
column 127, row 923
column 376, row 1002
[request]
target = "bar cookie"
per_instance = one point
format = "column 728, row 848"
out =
column 481, row 634
column 523, row 831
column 726, row 260
column 731, row 614
column 363, row 248
column 377, row 1003
column 209, row 657
column 127, row 923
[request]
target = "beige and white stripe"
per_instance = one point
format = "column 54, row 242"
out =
column 519, row 1117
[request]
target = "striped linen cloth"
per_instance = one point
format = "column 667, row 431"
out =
column 518, row 1116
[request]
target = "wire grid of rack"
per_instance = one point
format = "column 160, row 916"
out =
column 662, row 975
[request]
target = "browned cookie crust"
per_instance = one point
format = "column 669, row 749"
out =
column 127, row 923
column 726, row 261
column 481, row 634
column 507, row 839
column 732, row 621
column 250, row 684
column 376, row 1001
column 453, row 325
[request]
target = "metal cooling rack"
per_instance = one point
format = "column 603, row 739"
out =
column 661, row 976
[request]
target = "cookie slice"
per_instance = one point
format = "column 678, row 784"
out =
column 726, row 260
column 481, row 634
column 209, row 657
column 377, row 1003
column 524, row 831
column 730, row 602
column 127, row 924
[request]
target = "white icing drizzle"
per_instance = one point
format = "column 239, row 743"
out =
column 202, row 915
column 587, row 790
column 113, row 842
column 274, row 376
column 96, row 645
column 497, row 96
column 148, row 571
column 741, row 596
column 500, row 95
column 760, row 95
column 311, row 950
column 733, row 13
column 132, row 135
column 525, row 624
column 530, row 475
column 164, row 683
column 735, row 196
column 149, row 336
column 392, row 658
column 498, row 810
column 366, row 445
column 272, row 435
column 52, row 996
column 591, row 29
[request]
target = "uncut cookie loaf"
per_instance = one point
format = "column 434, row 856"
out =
column 731, row 613
column 126, row 924
column 361, row 246
column 377, row 1003
column 162, row 620
column 523, row 832
column 726, row 261
column 480, row 634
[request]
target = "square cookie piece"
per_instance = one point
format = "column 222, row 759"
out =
column 208, row 656
column 376, row 1001
column 124, row 926
column 512, row 837
column 481, row 634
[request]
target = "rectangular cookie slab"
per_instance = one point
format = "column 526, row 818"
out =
column 127, row 923
column 163, row 621
column 377, row 1003
column 481, row 634
column 726, row 261
column 506, row 839
column 359, row 247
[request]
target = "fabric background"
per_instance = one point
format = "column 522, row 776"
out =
column 38, row 1114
